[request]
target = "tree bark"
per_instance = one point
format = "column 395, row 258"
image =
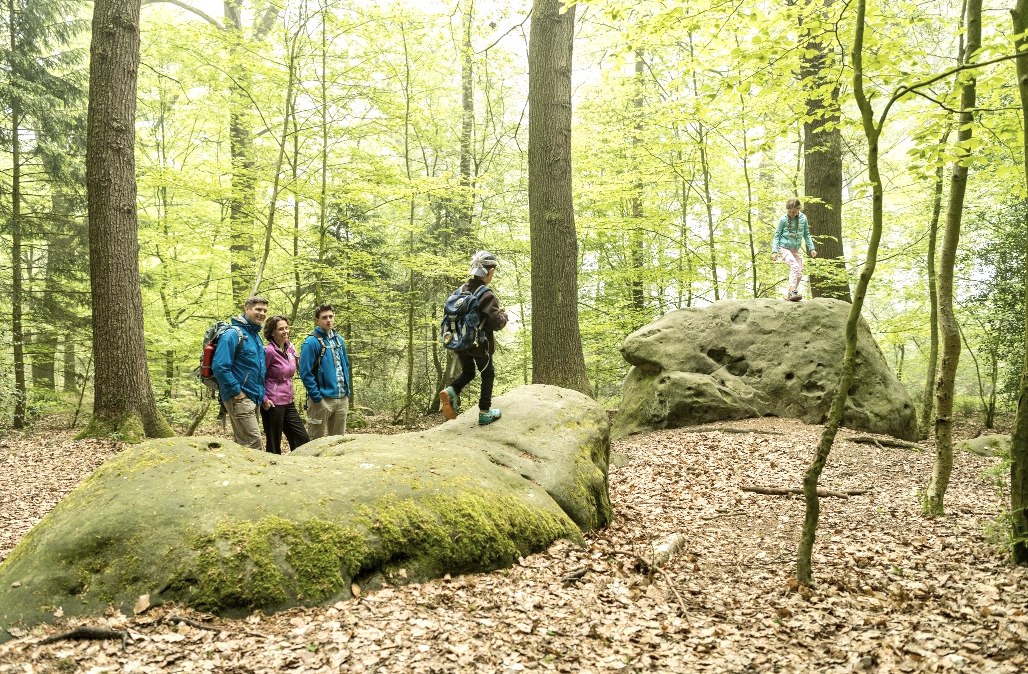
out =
column 124, row 404
column 1019, row 439
column 17, row 335
column 241, row 200
column 637, row 255
column 822, row 163
column 949, row 330
column 556, row 339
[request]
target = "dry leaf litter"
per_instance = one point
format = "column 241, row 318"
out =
column 895, row 591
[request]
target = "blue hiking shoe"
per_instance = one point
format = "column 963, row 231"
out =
column 449, row 402
column 486, row 417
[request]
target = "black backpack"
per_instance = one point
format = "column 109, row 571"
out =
column 461, row 327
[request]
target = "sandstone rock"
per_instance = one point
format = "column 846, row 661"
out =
column 225, row 529
column 748, row 358
column 986, row 445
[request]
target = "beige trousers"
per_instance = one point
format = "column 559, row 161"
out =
column 327, row 417
column 242, row 413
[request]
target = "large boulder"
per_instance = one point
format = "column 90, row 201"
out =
column 225, row 529
column 750, row 358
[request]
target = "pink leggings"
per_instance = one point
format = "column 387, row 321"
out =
column 792, row 258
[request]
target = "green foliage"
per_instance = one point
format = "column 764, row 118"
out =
column 685, row 145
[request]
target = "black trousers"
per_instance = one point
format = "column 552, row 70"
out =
column 283, row 419
column 467, row 373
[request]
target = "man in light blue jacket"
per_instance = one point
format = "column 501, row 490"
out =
column 325, row 372
column 239, row 367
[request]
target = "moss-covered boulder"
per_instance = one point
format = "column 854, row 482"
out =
column 226, row 529
column 749, row 358
column 986, row 445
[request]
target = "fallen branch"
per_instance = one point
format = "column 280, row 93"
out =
column 575, row 575
column 651, row 570
column 678, row 595
column 884, row 442
column 788, row 491
column 666, row 549
column 192, row 623
column 729, row 429
column 85, row 632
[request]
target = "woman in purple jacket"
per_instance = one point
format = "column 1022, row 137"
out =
column 278, row 410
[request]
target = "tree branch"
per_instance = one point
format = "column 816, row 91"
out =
column 189, row 8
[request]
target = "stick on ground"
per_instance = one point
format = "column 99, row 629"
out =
column 86, row 632
column 787, row 491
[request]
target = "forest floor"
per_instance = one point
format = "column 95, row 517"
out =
column 894, row 591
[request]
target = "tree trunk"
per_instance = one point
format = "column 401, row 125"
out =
column 70, row 374
column 928, row 397
column 1019, row 441
column 466, row 198
column 123, row 400
column 241, row 200
column 17, row 336
column 556, row 340
column 813, row 474
column 822, row 163
column 932, row 502
column 636, row 249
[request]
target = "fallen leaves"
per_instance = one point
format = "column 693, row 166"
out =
column 895, row 592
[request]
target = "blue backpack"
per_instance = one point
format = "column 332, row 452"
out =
column 461, row 328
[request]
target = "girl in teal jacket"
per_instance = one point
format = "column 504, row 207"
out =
column 792, row 229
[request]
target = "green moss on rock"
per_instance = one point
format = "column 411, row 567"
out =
column 210, row 524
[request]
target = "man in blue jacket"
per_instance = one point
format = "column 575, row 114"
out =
column 239, row 367
column 325, row 372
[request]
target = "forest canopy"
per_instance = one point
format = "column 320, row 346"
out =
column 359, row 152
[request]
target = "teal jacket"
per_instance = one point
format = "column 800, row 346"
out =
column 242, row 368
column 790, row 232
column 320, row 379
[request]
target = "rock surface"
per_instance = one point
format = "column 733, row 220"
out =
column 750, row 358
column 225, row 529
column 986, row 445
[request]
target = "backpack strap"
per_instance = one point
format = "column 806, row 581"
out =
column 239, row 344
column 317, row 361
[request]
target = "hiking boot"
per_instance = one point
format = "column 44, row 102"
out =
column 794, row 296
column 449, row 402
column 486, row 417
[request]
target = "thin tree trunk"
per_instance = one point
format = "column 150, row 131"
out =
column 636, row 250
column 272, row 207
column 69, row 375
column 949, row 330
column 928, row 397
column 319, row 274
column 17, row 336
column 749, row 196
column 813, row 473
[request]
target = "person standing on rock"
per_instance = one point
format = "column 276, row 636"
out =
column 793, row 230
column 483, row 269
column 238, row 365
column 279, row 410
column 325, row 372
